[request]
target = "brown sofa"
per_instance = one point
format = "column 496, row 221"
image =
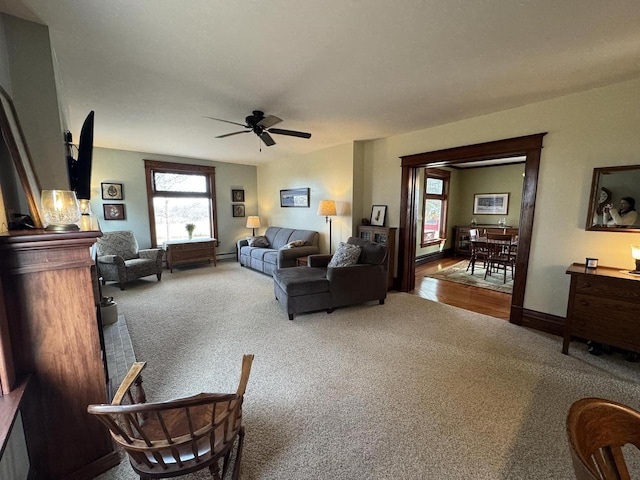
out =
column 318, row 287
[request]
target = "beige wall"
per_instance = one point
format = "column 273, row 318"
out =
column 591, row 129
column 329, row 174
column 126, row 167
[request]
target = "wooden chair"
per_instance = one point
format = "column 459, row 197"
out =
column 499, row 254
column 479, row 251
column 167, row 439
column 597, row 429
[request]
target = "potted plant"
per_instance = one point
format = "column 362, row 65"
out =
column 190, row 228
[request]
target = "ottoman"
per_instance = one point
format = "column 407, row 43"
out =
column 302, row 289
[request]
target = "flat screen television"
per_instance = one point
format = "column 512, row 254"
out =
column 79, row 169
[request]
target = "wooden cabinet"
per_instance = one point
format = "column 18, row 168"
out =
column 385, row 236
column 604, row 306
column 46, row 286
column 461, row 243
column 180, row 252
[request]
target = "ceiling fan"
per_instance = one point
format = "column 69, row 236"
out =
column 262, row 127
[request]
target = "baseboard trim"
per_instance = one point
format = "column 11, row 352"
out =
column 544, row 322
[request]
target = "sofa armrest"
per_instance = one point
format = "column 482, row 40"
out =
column 243, row 243
column 319, row 260
column 112, row 259
column 287, row 256
column 151, row 253
column 369, row 276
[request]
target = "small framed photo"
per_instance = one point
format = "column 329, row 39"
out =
column 238, row 210
column 378, row 215
column 491, row 204
column 112, row 191
column 114, row 211
column 237, row 196
column 294, row 197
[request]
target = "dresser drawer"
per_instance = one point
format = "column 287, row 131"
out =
column 623, row 333
column 611, row 287
column 609, row 307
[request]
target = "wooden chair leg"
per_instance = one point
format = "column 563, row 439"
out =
column 236, row 467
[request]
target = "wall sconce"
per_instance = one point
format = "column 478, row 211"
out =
column 327, row 208
column 253, row 222
column 60, row 210
column 635, row 253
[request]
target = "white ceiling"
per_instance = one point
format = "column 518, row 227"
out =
column 343, row 70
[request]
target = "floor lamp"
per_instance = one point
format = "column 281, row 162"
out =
column 327, row 208
column 253, row 222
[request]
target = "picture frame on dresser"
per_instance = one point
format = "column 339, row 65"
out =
column 378, row 215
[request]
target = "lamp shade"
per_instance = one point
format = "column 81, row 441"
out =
column 327, row 208
column 253, row 221
column 60, row 209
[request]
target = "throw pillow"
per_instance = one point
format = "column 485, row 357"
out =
column 260, row 241
column 294, row 244
column 345, row 256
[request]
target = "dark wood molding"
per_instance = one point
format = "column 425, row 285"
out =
column 530, row 146
column 430, row 257
column 543, row 322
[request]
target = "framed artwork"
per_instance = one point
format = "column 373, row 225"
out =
column 294, row 197
column 378, row 215
column 237, row 196
column 238, row 210
column 112, row 191
column 114, row 211
column 491, row 203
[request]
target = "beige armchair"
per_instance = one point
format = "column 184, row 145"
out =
column 120, row 260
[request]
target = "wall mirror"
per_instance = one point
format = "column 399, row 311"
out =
column 18, row 151
column 612, row 187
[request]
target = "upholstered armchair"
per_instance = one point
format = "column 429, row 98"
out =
column 120, row 260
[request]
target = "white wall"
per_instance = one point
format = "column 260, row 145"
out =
column 120, row 166
column 591, row 129
column 329, row 175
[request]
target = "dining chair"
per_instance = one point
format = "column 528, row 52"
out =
column 499, row 255
column 479, row 252
column 597, row 430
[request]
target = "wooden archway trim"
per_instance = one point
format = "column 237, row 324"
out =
column 529, row 146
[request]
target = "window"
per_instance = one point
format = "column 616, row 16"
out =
column 434, row 207
column 179, row 194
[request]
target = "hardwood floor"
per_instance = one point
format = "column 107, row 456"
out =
column 480, row 300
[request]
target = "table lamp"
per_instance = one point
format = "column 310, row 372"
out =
column 253, row 222
column 327, row 208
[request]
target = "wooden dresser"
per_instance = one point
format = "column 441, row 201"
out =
column 604, row 306
column 181, row 252
column 385, row 236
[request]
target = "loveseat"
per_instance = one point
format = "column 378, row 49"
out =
column 278, row 252
column 320, row 286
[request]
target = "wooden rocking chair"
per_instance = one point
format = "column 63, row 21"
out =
column 167, row 439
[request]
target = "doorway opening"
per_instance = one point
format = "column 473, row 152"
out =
column 529, row 146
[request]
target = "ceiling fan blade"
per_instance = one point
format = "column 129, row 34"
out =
column 232, row 133
column 291, row 133
column 227, row 121
column 266, row 138
column 269, row 121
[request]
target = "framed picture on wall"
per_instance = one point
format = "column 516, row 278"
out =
column 114, row 211
column 294, row 197
column 238, row 210
column 112, row 191
column 491, row 204
column 237, row 195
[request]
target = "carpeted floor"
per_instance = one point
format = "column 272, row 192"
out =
column 412, row 389
column 458, row 273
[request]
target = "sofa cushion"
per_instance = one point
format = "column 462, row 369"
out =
column 372, row 253
column 346, row 255
column 260, row 241
column 298, row 281
column 294, row 244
